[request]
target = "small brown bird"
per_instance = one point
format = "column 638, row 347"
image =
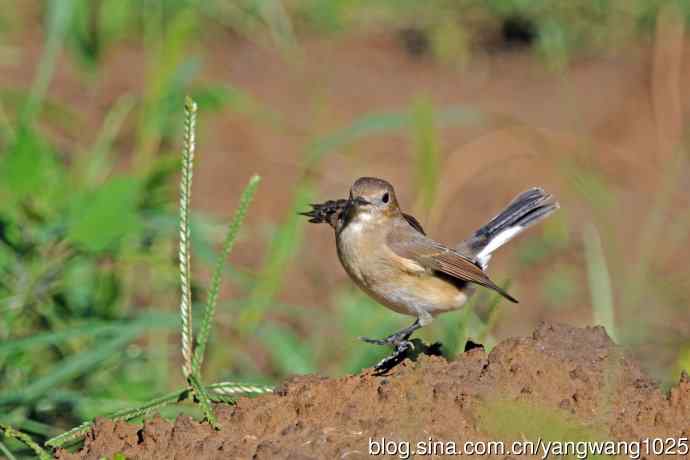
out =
column 388, row 255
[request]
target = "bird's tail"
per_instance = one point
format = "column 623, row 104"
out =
column 526, row 209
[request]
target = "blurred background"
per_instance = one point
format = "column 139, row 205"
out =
column 461, row 104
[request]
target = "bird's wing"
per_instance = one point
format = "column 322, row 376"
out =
column 414, row 223
column 408, row 243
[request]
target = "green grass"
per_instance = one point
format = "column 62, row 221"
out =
column 192, row 357
column 599, row 283
column 11, row 433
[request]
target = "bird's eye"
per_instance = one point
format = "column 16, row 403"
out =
column 385, row 197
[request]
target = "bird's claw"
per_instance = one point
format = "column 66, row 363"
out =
column 375, row 341
column 400, row 353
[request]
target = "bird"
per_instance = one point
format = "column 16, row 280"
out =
column 388, row 255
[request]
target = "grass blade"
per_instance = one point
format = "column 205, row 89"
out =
column 235, row 388
column 290, row 353
column 90, row 328
column 71, row 367
column 99, row 163
column 276, row 17
column 18, row 419
column 382, row 123
column 233, row 229
column 285, row 242
column 221, row 398
column 6, row 452
column 26, row 439
column 93, row 328
column 599, row 281
column 184, row 251
column 123, row 415
column 203, row 400
column 227, row 389
column 428, row 168
column 60, row 12
column 376, row 123
column 654, row 229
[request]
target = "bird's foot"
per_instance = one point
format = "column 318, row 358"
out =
column 389, row 362
column 402, row 344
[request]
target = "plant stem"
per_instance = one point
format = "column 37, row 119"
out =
column 214, row 288
column 184, row 250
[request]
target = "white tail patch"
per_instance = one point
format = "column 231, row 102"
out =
column 496, row 242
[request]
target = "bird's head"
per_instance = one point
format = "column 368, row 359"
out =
column 373, row 197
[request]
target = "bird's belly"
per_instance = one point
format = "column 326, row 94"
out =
column 426, row 293
column 391, row 282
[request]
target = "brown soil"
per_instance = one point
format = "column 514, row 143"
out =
column 561, row 383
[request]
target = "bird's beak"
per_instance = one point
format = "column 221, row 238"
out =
column 352, row 205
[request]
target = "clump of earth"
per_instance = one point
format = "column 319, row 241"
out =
column 562, row 383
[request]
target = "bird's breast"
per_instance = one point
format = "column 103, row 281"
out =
column 359, row 251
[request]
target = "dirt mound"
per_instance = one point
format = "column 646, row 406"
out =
column 562, row 383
